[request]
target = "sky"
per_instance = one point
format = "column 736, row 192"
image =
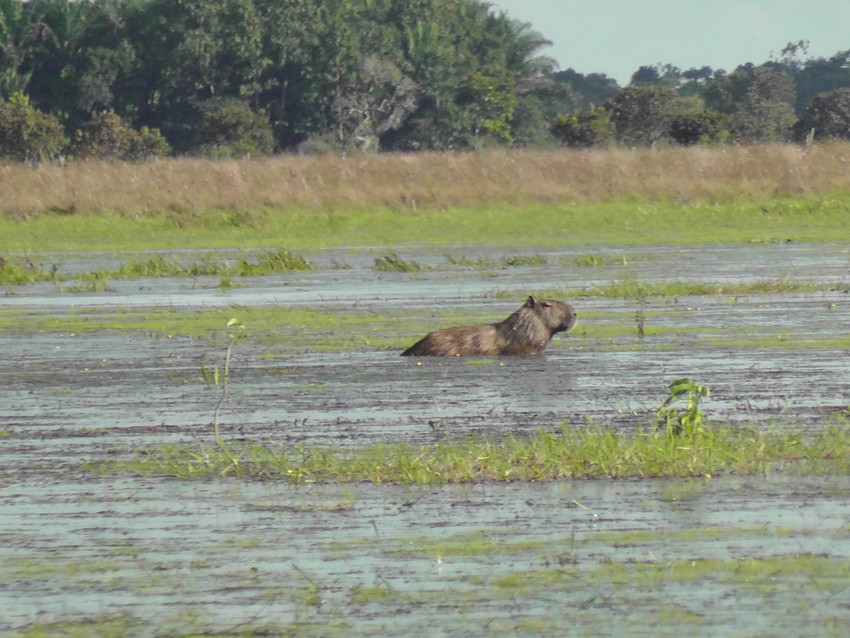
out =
column 616, row 37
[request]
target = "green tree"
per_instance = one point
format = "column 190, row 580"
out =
column 642, row 115
column 699, row 126
column 765, row 114
column 27, row 134
column 190, row 51
column 828, row 116
column 475, row 67
column 820, row 76
column 725, row 92
column 312, row 73
column 73, row 56
column 13, row 24
column 584, row 129
column 759, row 101
column 540, row 99
column 229, row 128
column 588, row 90
column 494, row 105
column 658, row 75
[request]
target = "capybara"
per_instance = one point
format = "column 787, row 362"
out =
column 527, row 331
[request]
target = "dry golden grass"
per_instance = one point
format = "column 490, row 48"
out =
column 424, row 180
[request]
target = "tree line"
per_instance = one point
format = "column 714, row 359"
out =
column 788, row 98
column 140, row 78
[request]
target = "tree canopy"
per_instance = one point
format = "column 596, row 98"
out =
column 252, row 77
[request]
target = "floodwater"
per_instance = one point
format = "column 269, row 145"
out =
column 170, row 557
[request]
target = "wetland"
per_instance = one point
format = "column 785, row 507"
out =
column 202, row 423
column 94, row 379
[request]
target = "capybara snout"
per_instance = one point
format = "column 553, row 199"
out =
column 525, row 332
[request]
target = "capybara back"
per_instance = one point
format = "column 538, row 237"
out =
column 525, row 332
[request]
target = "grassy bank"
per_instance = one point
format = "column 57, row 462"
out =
column 522, row 198
column 570, row 224
column 568, row 454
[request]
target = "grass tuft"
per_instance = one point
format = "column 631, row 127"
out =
column 14, row 272
column 391, row 262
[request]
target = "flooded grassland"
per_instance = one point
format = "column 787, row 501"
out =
column 99, row 368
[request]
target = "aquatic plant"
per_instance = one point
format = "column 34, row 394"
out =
column 525, row 260
column 689, row 422
column 503, row 262
column 586, row 260
column 477, row 262
column 273, row 261
column 16, row 271
column 87, row 284
column 280, row 260
column 156, row 266
column 393, row 263
column 221, row 378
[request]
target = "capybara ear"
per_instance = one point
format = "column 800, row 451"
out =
column 529, row 303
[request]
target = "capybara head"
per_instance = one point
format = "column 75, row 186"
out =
column 557, row 316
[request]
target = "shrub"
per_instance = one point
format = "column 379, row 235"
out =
column 27, row 134
column 232, row 129
column 107, row 136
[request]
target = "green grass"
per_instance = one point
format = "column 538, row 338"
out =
column 636, row 289
column 636, row 223
column 568, row 454
column 25, row 271
column 20, row 271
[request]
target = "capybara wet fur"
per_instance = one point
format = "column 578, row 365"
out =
column 525, row 332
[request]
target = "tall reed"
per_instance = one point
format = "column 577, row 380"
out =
column 424, row 180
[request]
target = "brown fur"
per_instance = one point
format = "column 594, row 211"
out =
column 525, row 332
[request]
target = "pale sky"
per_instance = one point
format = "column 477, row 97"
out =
column 616, row 37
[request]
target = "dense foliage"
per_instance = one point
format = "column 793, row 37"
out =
column 138, row 78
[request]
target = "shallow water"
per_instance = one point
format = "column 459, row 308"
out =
column 181, row 556
column 437, row 559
